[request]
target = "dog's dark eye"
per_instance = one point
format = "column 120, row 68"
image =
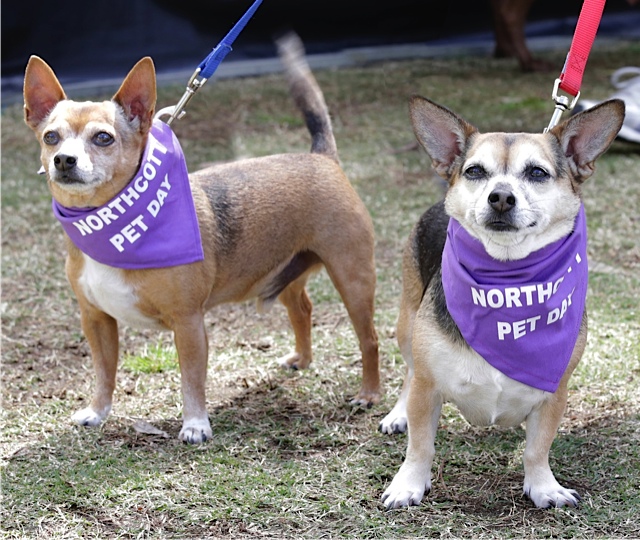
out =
column 475, row 172
column 536, row 173
column 103, row 139
column 51, row 138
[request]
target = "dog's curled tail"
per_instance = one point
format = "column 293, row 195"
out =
column 307, row 94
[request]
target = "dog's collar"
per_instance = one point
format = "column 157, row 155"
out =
column 151, row 223
column 523, row 317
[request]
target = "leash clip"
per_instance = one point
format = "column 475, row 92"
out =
column 563, row 103
column 175, row 112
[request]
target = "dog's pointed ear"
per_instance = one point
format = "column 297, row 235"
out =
column 137, row 94
column 42, row 91
column 442, row 133
column 587, row 135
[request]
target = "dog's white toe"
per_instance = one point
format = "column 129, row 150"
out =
column 89, row 417
column 195, row 432
column 406, row 489
column 400, row 499
column 552, row 496
column 392, row 424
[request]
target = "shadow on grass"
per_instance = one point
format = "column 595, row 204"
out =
column 281, row 458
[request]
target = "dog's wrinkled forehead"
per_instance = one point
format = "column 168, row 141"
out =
column 76, row 117
column 512, row 154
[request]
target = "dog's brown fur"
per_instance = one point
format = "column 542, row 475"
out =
column 266, row 224
column 440, row 364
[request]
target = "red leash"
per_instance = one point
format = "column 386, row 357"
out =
column 571, row 77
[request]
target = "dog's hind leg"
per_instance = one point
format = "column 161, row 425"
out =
column 299, row 307
column 355, row 279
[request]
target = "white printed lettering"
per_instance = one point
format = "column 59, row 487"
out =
column 495, row 298
column 94, row 222
column 141, row 185
column 504, row 328
column 83, row 227
column 117, row 240
column 153, row 207
column 130, row 196
column 107, row 215
column 478, row 297
column 512, row 297
column 154, row 144
column 116, row 202
column 544, row 292
column 148, row 171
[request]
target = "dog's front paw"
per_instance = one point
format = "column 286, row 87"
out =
column 294, row 360
column 195, row 432
column 406, row 489
column 551, row 495
column 367, row 397
column 89, row 417
column 395, row 422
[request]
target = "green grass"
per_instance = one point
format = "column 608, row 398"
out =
column 290, row 458
column 156, row 358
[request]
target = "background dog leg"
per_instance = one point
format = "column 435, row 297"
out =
column 299, row 308
column 193, row 350
column 540, row 484
column 357, row 289
column 101, row 331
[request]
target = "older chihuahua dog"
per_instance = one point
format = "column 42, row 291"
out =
column 494, row 278
column 265, row 225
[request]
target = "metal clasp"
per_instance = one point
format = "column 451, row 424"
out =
column 563, row 103
column 177, row 111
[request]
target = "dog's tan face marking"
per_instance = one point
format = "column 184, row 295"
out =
column 88, row 152
column 513, row 194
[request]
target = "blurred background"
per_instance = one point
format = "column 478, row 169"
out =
column 87, row 42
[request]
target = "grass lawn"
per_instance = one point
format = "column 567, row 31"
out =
column 290, row 458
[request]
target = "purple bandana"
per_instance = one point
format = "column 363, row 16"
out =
column 151, row 223
column 523, row 317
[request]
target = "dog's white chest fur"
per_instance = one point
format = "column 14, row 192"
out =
column 105, row 287
column 483, row 394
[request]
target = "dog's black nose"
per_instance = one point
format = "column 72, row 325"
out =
column 64, row 162
column 501, row 200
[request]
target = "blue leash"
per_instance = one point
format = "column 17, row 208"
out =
column 207, row 67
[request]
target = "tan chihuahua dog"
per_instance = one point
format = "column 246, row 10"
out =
column 265, row 225
column 492, row 313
